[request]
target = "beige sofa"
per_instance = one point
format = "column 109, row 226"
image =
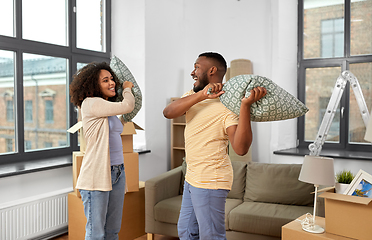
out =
column 263, row 198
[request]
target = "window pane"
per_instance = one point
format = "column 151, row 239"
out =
column 45, row 21
column 327, row 46
column 319, row 86
column 361, row 27
column 322, row 21
column 90, row 21
column 363, row 72
column 6, row 18
column 7, row 102
column 44, row 84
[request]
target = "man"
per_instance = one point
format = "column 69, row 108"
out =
column 209, row 127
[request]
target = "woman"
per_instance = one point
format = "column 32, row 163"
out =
column 101, row 181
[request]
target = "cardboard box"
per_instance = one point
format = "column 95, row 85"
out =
column 77, row 160
column 348, row 216
column 130, row 164
column 294, row 231
column 133, row 220
column 130, row 157
column 79, row 127
column 131, row 171
column 76, row 217
column 129, row 128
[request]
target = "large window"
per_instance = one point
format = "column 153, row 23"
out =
column 42, row 44
column 334, row 36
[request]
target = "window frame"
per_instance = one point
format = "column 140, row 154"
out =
column 343, row 62
column 72, row 54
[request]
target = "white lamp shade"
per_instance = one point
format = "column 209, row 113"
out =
column 318, row 171
column 368, row 136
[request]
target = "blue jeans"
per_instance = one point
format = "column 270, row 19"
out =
column 104, row 209
column 202, row 214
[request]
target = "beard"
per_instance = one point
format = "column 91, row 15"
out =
column 203, row 81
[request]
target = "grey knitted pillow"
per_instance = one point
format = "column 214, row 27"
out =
column 277, row 105
column 123, row 73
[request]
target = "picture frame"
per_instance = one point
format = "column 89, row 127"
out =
column 361, row 186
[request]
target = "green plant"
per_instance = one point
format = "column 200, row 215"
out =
column 344, row 177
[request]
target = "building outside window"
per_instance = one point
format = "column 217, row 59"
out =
column 9, row 111
column 9, row 145
column 49, row 53
column 334, row 36
column 28, row 111
column 48, row 144
column 28, row 145
column 49, row 111
column 332, row 31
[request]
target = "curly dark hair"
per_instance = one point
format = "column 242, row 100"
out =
column 85, row 83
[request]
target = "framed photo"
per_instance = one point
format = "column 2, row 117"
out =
column 361, row 186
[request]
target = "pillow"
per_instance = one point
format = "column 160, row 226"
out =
column 123, row 73
column 277, row 183
column 277, row 105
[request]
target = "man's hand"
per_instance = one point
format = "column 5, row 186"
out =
column 212, row 90
column 256, row 94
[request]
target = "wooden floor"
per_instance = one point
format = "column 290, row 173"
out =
column 144, row 237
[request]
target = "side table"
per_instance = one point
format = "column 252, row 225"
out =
column 294, row 231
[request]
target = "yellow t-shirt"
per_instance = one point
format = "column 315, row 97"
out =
column 206, row 144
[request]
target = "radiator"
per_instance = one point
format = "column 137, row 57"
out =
column 35, row 218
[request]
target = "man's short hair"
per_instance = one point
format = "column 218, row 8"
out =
column 216, row 57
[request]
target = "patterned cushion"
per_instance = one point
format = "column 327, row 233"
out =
column 123, row 73
column 278, row 104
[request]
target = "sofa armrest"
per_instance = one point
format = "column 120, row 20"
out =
column 161, row 187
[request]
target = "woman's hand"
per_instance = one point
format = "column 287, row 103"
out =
column 127, row 84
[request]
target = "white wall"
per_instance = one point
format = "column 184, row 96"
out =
column 176, row 31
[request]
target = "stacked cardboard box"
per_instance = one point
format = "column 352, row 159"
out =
column 130, row 157
column 133, row 220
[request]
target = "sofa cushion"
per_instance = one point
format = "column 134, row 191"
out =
column 277, row 183
column 229, row 205
column 238, row 186
column 168, row 210
column 264, row 218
